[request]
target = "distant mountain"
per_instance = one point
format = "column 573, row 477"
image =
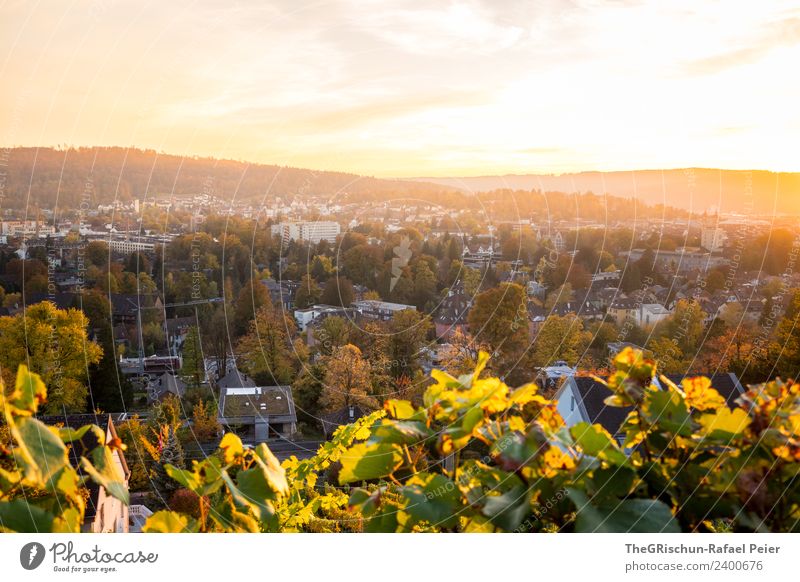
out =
column 69, row 177
column 695, row 189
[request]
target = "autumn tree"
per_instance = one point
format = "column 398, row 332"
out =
column 347, row 380
column 266, row 351
column 54, row 344
column 560, row 338
column 499, row 319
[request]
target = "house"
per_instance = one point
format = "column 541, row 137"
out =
column 317, row 313
column 104, row 513
column 345, row 415
column 622, row 309
column 282, row 293
column 166, row 384
column 582, row 399
column 452, row 313
column 233, row 378
column 257, row 413
column 650, row 314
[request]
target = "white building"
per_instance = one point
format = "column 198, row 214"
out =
column 649, row 314
column 713, row 239
column 313, row 232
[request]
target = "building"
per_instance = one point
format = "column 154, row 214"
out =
column 649, row 314
column 166, row 384
column 104, row 513
column 379, row 310
column 318, row 313
column 713, row 239
column 582, row 399
column 452, row 313
column 313, row 232
column 682, row 260
column 258, row 413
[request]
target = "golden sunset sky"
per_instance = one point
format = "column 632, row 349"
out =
column 424, row 88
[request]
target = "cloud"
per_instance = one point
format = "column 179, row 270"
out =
column 772, row 36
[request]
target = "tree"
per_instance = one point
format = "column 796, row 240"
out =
column 193, row 368
column 347, row 380
column 55, row 344
column 407, row 334
column 685, row 326
column 499, row 319
column 252, row 297
column 338, row 291
column 560, row 338
column 110, row 390
column 266, row 350
column 308, row 293
column 333, row 332
column 321, row 268
column 787, row 340
column 559, row 296
column 169, row 452
column 424, row 285
column 205, row 426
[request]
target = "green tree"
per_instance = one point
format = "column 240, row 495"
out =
column 338, row 291
column 499, row 319
column 193, row 369
column 308, row 293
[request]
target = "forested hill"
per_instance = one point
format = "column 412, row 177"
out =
column 36, row 176
column 695, row 189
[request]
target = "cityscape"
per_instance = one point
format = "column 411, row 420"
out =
column 401, row 292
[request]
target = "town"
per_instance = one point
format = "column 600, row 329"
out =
column 179, row 318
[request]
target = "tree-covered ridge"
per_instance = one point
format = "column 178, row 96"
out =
column 61, row 177
column 481, row 456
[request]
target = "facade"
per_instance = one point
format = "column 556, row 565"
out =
column 649, row 314
column 713, row 239
column 313, row 232
column 379, row 310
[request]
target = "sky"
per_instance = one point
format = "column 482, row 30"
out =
column 425, row 88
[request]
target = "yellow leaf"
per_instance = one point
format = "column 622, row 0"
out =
column 725, row 421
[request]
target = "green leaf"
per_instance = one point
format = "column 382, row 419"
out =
column 627, row 516
column 23, row 517
column 432, row 498
column 104, row 471
column 69, row 435
column 366, row 461
column 508, row 510
column 595, row 441
column 273, row 472
column 667, row 410
column 401, row 432
column 168, row 522
column 365, row 502
column 40, row 449
column 471, row 419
